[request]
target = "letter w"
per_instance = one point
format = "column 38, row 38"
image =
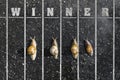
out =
column 15, row 11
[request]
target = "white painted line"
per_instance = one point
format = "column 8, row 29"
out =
column 60, row 39
column 67, row 17
column 86, row 17
column 113, row 39
column 33, row 17
column 52, row 17
column 16, row 17
column 24, row 39
column 6, row 39
column 117, row 17
column 42, row 39
column 95, row 39
column 3, row 17
column 78, row 78
column 70, row 17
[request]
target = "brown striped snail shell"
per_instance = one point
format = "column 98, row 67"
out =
column 75, row 49
column 32, row 49
column 88, row 48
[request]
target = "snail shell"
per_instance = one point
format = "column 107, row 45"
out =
column 54, row 48
column 32, row 49
column 89, row 48
column 75, row 49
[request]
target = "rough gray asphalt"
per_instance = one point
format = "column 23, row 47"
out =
column 52, row 29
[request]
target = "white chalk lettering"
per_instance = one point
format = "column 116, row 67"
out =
column 50, row 11
column 15, row 11
column 33, row 11
column 87, row 11
column 68, row 11
column 105, row 12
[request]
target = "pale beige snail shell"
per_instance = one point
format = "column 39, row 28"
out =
column 88, row 47
column 54, row 48
column 32, row 49
column 75, row 49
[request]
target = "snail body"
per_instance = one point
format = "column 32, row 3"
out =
column 32, row 49
column 54, row 48
column 89, row 48
column 75, row 49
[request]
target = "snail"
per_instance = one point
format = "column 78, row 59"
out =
column 75, row 49
column 88, row 48
column 32, row 49
column 54, row 48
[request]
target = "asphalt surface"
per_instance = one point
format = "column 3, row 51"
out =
column 69, row 31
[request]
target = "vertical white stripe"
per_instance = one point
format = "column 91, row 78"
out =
column 60, row 39
column 95, row 39
column 6, row 39
column 78, row 37
column 24, row 39
column 113, row 39
column 42, row 39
